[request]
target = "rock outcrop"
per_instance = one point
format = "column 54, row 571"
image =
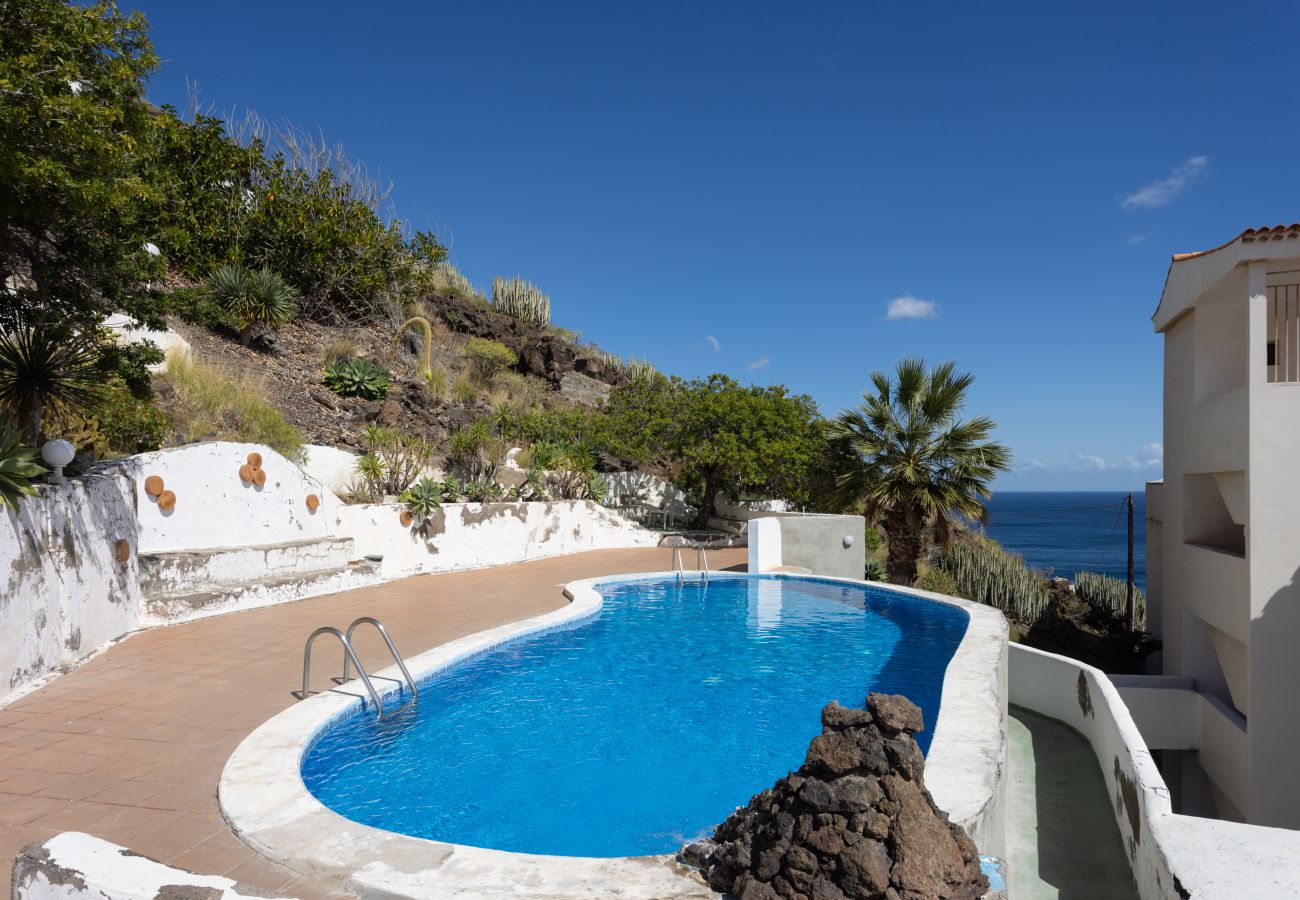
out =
column 854, row 822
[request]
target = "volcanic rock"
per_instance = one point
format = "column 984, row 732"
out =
column 855, row 822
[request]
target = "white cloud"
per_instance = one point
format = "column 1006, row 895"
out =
column 1164, row 191
column 1135, row 239
column 717, row 344
column 1148, row 459
column 909, row 307
column 759, row 363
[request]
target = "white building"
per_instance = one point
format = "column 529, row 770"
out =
column 1224, row 532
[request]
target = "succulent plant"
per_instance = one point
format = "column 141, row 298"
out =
column 521, row 299
column 986, row 573
column 17, row 468
column 252, row 297
column 423, row 497
column 356, row 378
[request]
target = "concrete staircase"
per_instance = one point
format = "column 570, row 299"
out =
column 191, row 584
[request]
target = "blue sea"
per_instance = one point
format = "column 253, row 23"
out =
column 1071, row 531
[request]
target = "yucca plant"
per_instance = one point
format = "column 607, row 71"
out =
column 251, row 298
column 46, row 370
column 521, row 299
column 356, row 378
column 17, row 468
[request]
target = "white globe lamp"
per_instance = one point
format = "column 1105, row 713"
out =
column 57, row 454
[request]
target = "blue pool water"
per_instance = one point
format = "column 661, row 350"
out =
column 639, row 728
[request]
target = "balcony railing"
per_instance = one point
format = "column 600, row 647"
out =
column 1284, row 333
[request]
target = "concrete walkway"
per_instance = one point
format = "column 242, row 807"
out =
column 130, row 746
column 1062, row 841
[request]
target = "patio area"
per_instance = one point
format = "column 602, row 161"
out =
column 130, row 746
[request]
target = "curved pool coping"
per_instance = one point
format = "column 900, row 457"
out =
column 266, row 803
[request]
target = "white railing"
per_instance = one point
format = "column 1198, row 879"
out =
column 1284, row 333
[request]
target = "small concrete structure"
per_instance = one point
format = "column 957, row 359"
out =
column 827, row 545
column 72, row 865
column 1223, row 546
column 127, row 331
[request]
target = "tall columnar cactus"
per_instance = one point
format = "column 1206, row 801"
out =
column 988, row 574
column 1110, row 596
column 521, row 299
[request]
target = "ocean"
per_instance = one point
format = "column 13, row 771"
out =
column 1071, row 531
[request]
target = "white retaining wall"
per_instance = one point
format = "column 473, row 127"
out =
column 1173, row 856
column 821, row 544
column 62, row 591
column 472, row 535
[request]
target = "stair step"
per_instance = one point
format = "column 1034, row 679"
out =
column 178, row 571
column 213, row 598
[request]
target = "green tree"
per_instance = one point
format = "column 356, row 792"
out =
column 907, row 459
column 74, row 129
column 717, row 434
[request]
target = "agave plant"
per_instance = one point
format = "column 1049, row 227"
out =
column 423, row 497
column 251, row 298
column 874, row 571
column 17, row 468
column 46, row 370
column 356, row 378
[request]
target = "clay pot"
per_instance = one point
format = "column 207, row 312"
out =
column 153, row 485
column 255, row 460
column 166, row 500
column 122, row 550
column 259, row 477
column 246, row 473
column 407, row 517
column 313, row 502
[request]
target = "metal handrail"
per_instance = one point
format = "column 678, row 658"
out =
column 397, row 657
column 701, row 558
column 348, row 653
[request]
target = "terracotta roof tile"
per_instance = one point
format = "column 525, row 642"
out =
column 1250, row 235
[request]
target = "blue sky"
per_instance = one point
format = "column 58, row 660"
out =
column 751, row 188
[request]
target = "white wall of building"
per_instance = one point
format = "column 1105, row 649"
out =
column 828, row 545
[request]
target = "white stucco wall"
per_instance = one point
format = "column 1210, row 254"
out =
column 331, row 466
column 821, row 544
column 1173, row 856
column 471, row 535
column 215, row 508
column 62, row 591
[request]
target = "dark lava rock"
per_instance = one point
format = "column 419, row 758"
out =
column 854, row 823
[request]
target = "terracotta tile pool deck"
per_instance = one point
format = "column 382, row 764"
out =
column 130, row 746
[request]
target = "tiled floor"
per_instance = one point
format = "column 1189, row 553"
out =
column 130, row 746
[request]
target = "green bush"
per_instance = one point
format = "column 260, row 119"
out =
column 938, row 581
column 17, row 468
column 356, row 378
column 487, row 357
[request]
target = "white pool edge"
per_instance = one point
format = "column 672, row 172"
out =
column 266, row 803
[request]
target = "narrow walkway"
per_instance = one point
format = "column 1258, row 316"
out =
column 1062, row 841
column 130, row 746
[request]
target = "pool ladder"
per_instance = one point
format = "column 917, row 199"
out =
column 701, row 559
column 350, row 658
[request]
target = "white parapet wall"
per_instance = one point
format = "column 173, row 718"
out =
column 1173, row 857
column 73, row 865
column 827, row 545
column 472, row 535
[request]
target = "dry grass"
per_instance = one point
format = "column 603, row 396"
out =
column 341, row 348
column 213, row 404
column 466, row 389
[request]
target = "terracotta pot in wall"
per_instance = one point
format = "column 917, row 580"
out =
column 313, row 502
column 166, row 500
column 246, row 473
column 153, row 485
column 407, row 517
column 259, row 477
column 122, row 550
column 255, row 460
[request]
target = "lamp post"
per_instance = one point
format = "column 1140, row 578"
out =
column 57, row 454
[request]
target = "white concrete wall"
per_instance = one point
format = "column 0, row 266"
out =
column 821, row 544
column 1173, row 857
column 73, row 866
column 332, row 467
column 62, row 591
column 472, row 535
column 127, row 330
column 215, row 508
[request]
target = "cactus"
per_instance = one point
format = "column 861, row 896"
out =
column 521, row 299
column 1109, row 596
column 986, row 573
column 427, row 371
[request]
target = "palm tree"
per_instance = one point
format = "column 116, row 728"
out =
column 906, row 459
column 46, row 369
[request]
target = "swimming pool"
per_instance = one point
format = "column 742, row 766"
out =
column 639, row 727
